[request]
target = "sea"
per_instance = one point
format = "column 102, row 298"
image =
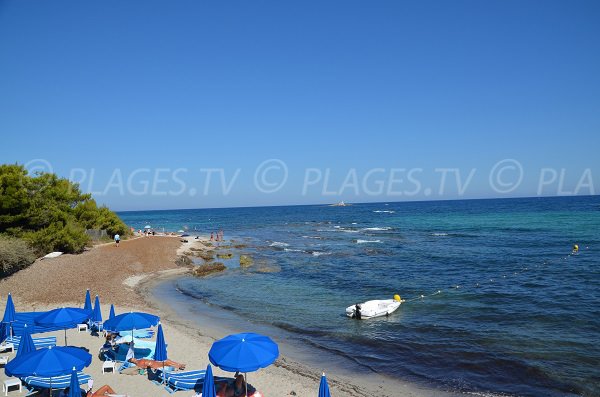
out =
column 496, row 301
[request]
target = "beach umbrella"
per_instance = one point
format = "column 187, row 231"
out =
column 26, row 344
column 48, row 362
column 324, row 387
column 88, row 301
column 208, row 387
column 64, row 317
column 74, row 389
column 147, row 227
column 111, row 314
column 9, row 312
column 160, row 350
column 245, row 352
column 131, row 321
column 96, row 313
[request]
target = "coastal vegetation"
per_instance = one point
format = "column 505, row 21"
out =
column 15, row 254
column 47, row 213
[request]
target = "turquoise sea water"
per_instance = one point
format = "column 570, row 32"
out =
column 517, row 314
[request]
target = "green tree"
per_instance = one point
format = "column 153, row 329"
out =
column 49, row 212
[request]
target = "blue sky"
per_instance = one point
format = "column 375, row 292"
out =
column 99, row 90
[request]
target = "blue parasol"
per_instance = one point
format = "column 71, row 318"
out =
column 26, row 344
column 96, row 313
column 208, row 387
column 160, row 351
column 74, row 388
column 88, row 301
column 48, row 362
column 245, row 352
column 324, row 387
column 111, row 314
column 9, row 312
column 64, row 317
column 131, row 321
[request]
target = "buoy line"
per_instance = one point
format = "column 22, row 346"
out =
column 574, row 252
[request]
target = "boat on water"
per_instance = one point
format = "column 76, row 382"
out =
column 374, row 308
column 340, row 204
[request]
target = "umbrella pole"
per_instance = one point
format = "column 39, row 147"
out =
column 65, row 336
column 246, row 382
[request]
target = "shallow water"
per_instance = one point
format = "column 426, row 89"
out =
column 516, row 313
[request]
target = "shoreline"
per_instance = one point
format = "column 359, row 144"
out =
column 143, row 265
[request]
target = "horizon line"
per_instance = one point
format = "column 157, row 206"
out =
column 350, row 203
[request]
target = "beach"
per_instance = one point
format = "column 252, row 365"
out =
column 125, row 276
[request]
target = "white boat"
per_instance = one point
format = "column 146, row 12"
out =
column 374, row 308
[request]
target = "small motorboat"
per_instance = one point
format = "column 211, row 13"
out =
column 374, row 308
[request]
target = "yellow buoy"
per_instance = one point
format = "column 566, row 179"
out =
column 575, row 248
column 397, row 298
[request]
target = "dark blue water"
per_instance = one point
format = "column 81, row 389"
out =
column 517, row 314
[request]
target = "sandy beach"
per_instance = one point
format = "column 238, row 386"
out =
column 125, row 277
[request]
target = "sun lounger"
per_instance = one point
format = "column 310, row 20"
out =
column 49, row 341
column 184, row 380
column 56, row 382
column 139, row 333
column 96, row 326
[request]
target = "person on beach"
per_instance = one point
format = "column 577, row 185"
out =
column 105, row 390
column 153, row 364
column 117, row 240
column 212, row 236
column 237, row 388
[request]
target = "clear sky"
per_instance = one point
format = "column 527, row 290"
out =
column 120, row 95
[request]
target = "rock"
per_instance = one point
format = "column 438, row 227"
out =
column 183, row 260
column 240, row 246
column 206, row 255
column 208, row 268
column 246, row 260
column 225, row 255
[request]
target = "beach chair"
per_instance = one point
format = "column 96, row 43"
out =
column 139, row 333
column 96, row 326
column 185, row 380
column 35, row 383
column 48, row 341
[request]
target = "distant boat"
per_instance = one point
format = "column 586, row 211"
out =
column 340, row 204
column 374, row 308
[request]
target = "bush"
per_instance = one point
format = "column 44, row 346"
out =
column 69, row 238
column 50, row 212
column 15, row 254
